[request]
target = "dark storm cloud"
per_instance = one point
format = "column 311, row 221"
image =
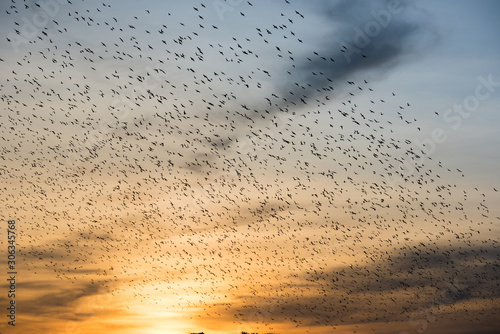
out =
column 366, row 40
column 417, row 279
column 58, row 301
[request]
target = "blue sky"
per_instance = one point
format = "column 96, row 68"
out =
column 448, row 73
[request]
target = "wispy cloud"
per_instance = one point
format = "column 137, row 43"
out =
column 394, row 288
column 363, row 42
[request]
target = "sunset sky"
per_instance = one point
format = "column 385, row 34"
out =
column 262, row 166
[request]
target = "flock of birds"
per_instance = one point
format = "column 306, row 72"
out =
column 185, row 151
